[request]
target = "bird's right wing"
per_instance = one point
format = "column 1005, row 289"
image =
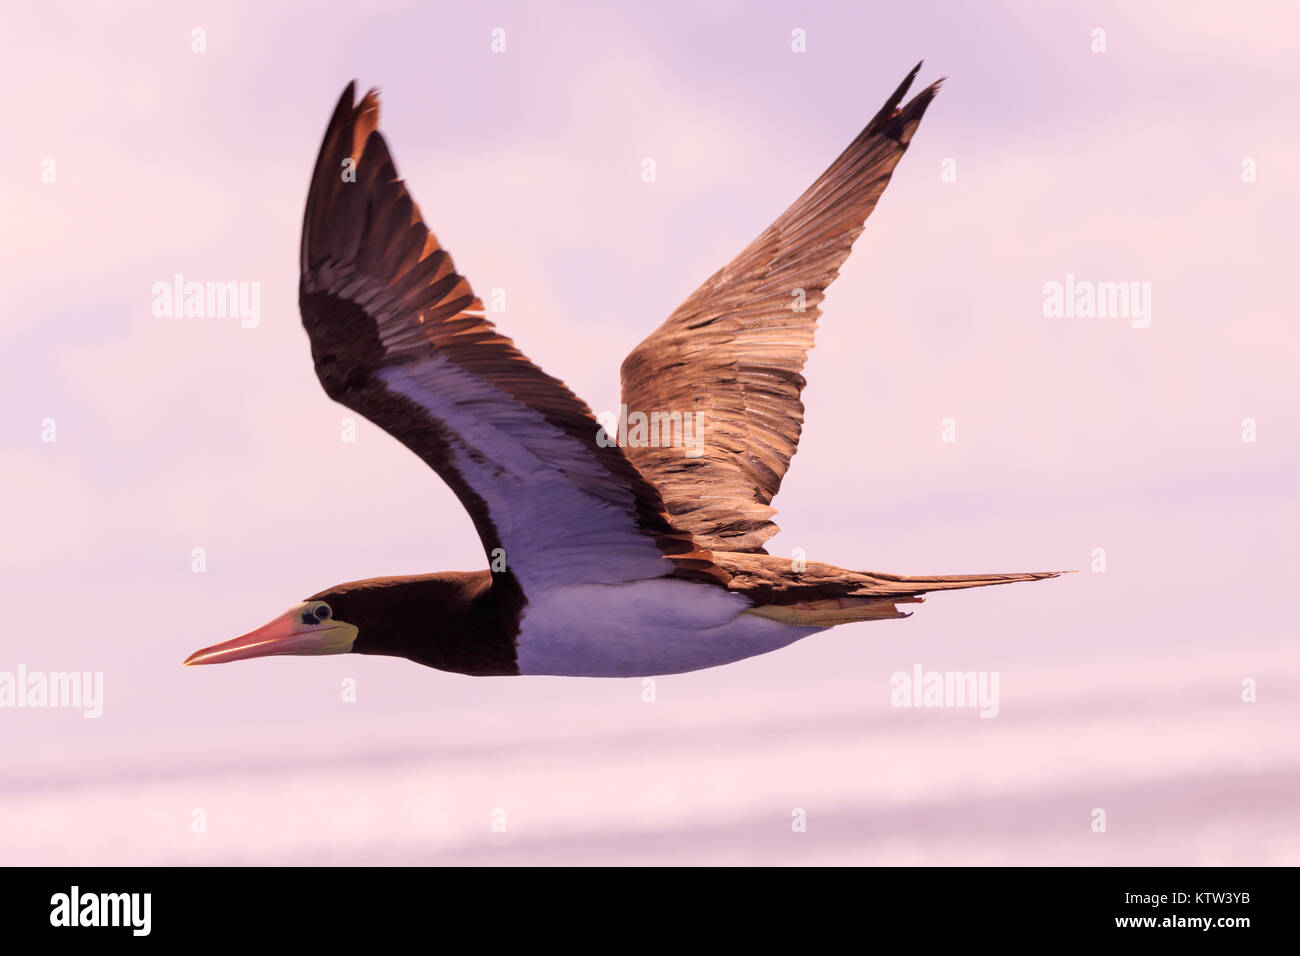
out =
column 732, row 355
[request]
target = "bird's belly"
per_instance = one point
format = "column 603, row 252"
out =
column 660, row 626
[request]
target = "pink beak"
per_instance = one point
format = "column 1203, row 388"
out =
column 287, row 634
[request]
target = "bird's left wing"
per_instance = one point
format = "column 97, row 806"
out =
column 399, row 337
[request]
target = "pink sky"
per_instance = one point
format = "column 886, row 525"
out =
column 1119, row 689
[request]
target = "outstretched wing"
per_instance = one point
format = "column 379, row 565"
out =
column 399, row 337
column 733, row 353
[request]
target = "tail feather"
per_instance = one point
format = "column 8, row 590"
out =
column 876, row 583
column 821, row 595
column 868, row 603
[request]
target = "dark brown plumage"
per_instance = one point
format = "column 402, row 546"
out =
column 473, row 617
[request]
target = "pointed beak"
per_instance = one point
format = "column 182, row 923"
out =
column 287, row 634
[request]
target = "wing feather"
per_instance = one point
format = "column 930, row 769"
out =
column 734, row 351
column 398, row 335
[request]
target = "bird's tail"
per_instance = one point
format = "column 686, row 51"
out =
column 873, row 596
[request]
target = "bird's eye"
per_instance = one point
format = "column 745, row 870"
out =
column 323, row 612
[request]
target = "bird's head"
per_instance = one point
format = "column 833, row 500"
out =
column 311, row 627
column 453, row 621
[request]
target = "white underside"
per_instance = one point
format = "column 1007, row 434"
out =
column 659, row 626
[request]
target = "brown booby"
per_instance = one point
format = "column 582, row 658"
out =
column 612, row 555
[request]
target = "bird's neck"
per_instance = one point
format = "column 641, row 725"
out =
column 465, row 622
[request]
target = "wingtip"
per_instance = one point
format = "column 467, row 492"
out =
column 370, row 103
column 348, row 100
column 892, row 118
column 348, row 97
column 903, row 87
column 344, row 105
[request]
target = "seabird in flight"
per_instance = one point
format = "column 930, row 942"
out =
column 611, row 557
